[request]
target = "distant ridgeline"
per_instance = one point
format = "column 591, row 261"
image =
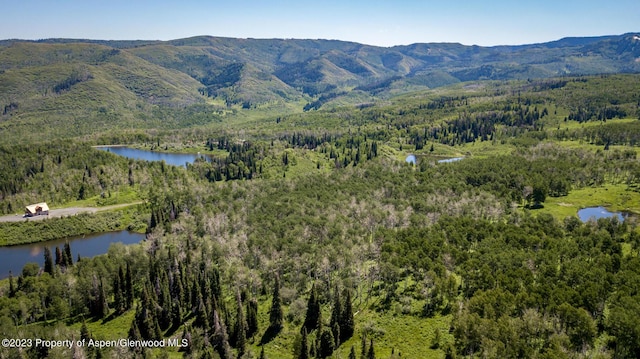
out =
column 125, row 81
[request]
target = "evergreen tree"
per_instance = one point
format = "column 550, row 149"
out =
column 122, row 280
column 313, row 310
column 275, row 313
column 135, row 335
column 176, row 315
column 207, row 354
column 262, row 356
column 131, row 180
column 327, row 344
column 48, row 261
column 347, row 324
column 195, row 296
column 146, row 315
column 177, row 288
column 67, row 257
column 240, row 330
column 103, row 307
column 98, row 307
column 336, row 314
column 134, row 331
column 216, row 288
column 252, row 317
column 118, row 295
column 84, row 332
column 319, row 328
column 202, row 316
column 335, row 330
column 82, row 192
column 352, row 353
column 371, row 354
column 12, row 289
column 129, row 288
column 312, row 349
column 220, row 338
column 186, row 335
column 304, row 345
column 59, row 258
column 164, row 300
column 157, row 332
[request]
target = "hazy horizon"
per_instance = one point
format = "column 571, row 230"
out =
column 378, row 22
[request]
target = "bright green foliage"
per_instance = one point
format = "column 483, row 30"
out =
column 623, row 326
column 578, row 325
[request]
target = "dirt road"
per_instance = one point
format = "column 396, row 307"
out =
column 63, row 212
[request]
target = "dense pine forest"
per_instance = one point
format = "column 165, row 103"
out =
column 308, row 235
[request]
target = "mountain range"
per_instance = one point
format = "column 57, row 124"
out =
column 62, row 80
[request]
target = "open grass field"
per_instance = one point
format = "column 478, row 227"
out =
column 616, row 198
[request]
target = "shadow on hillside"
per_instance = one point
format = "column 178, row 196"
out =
column 269, row 335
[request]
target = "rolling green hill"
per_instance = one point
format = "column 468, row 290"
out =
column 68, row 87
column 75, row 89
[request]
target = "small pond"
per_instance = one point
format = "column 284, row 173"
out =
column 175, row 159
column 15, row 257
column 594, row 213
column 413, row 159
column 449, row 160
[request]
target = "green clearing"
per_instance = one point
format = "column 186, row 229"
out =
column 126, row 196
column 616, row 198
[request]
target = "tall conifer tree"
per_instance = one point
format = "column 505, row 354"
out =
column 48, row 261
column 304, row 345
column 275, row 313
column 313, row 310
column 241, row 327
column 347, row 324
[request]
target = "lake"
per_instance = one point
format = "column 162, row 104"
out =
column 411, row 159
column 594, row 213
column 15, row 257
column 175, row 159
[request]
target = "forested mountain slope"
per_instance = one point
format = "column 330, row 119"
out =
column 307, row 233
column 57, row 83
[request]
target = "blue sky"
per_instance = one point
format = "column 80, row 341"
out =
column 374, row 22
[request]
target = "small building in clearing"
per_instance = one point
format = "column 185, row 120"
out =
column 36, row 209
